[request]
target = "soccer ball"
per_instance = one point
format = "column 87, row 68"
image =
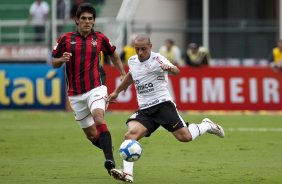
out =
column 130, row 150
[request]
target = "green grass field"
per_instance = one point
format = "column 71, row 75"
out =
column 49, row 147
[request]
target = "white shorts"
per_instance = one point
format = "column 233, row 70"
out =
column 82, row 105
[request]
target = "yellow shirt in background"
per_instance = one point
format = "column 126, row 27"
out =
column 128, row 52
column 277, row 55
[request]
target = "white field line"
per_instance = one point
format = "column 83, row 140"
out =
column 245, row 129
column 254, row 129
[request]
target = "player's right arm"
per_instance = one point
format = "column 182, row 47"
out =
column 59, row 54
column 125, row 83
column 58, row 62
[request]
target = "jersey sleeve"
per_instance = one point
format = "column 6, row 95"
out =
column 59, row 48
column 107, row 47
column 162, row 60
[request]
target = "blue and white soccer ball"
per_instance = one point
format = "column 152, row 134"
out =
column 130, row 150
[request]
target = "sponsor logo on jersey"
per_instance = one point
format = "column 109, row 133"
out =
column 160, row 78
column 72, row 43
column 150, row 104
column 173, row 126
column 144, row 88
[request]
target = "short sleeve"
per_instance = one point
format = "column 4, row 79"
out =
column 45, row 8
column 161, row 59
column 107, row 47
column 59, row 48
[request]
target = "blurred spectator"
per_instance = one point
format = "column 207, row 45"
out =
column 275, row 58
column 62, row 14
column 38, row 15
column 100, row 1
column 128, row 50
column 196, row 56
column 171, row 52
column 74, row 6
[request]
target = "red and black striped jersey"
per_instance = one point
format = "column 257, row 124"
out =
column 83, row 71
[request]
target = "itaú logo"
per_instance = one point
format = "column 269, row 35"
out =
column 45, row 90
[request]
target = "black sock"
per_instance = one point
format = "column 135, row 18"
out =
column 105, row 141
column 96, row 143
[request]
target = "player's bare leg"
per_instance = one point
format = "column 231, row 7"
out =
column 135, row 131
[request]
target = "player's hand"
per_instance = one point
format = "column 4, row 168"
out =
column 66, row 57
column 166, row 67
column 171, row 69
column 111, row 99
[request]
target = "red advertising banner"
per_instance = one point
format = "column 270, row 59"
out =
column 218, row 88
column 22, row 53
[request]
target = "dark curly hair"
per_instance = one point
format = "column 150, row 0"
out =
column 85, row 7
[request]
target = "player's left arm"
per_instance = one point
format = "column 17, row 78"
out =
column 166, row 65
column 118, row 64
column 125, row 83
column 171, row 69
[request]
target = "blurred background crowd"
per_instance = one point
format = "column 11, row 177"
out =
column 188, row 32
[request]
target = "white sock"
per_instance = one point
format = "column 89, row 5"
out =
column 198, row 129
column 128, row 167
column 204, row 127
column 194, row 131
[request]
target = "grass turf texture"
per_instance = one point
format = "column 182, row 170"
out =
column 49, row 147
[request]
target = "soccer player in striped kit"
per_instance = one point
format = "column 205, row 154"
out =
column 85, row 78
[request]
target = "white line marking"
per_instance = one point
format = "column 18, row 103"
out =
column 254, row 129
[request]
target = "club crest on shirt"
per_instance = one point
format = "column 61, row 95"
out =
column 94, row 42
column 147, row 67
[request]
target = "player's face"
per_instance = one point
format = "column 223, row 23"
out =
column 194, row 50
column 85, row 22
column 143, row 49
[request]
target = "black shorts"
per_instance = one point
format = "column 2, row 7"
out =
column 164, row 114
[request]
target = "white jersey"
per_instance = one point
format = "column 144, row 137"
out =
column 150, row 80
column 38, row 11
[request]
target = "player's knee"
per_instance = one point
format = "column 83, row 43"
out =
column 131, row 134
column 90, row 134
column 184, row 138
column 91, row 137
column 98, row 116
column 99, row 119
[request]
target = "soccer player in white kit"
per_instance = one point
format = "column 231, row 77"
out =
column 149, row 73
